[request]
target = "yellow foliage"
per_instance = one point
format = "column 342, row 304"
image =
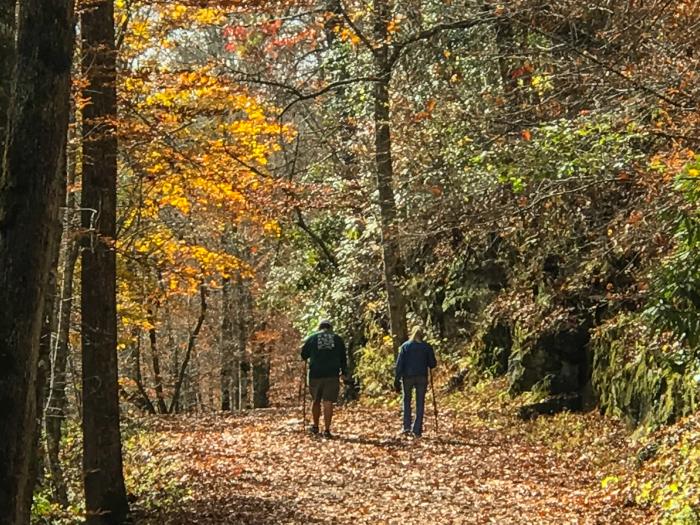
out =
column 198, row 146
column 272, row 227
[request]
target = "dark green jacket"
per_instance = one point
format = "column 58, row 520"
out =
column 326, row 354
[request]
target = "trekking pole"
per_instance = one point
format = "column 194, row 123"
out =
column 432, row 390
column 303, row 395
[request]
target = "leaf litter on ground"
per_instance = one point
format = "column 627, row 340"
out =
column 260, row 467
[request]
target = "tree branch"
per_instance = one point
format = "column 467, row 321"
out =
column 439, row 28
column 316, row 238
column 592, row 58
column 366, row 41
column 333, row 85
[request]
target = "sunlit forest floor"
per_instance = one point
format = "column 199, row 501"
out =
column 482, row 467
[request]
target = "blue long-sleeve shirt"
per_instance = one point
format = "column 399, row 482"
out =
column 415, row 357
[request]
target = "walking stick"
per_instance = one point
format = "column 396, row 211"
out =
column 432, row 390
column 302, row 389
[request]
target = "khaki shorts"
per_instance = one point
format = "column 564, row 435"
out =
column 324, row 388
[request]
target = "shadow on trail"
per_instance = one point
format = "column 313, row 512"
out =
column 372, row 441
column 399, row 442
column 462, row 443
column 228, row 509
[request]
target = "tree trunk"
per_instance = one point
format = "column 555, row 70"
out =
column 145, row 403
column 34, row 105
column 261, row 380
column 50, row 325
column 190, row 347
column 55, row 406
column 391, row 248
column 42, row 373
column 8, row 27
column 228, row 347
column 155, row 361
column 244, row 382
column 244, row 365
column 56, row 403
column 105, row 494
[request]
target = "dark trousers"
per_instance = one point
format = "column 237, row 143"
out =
column 420, row 385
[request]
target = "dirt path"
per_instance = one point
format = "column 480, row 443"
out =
column 259, row 468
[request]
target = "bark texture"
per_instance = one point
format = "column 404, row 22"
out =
column 105, row 494
column 8, row 27
column 391, row 248
column 34, row 107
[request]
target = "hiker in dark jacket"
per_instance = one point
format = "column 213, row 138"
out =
column 326, row 354
column 415, row 358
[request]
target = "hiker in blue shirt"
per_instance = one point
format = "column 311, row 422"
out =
column 415, row 358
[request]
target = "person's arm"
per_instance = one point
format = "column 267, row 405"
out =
column 306, row 348
column 343, row 357
column 398, row 370
column 432, row 362
column 400, row 360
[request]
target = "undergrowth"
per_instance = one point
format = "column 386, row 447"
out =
column 151, row 475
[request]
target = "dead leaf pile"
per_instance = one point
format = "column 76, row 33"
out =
column 260, row 468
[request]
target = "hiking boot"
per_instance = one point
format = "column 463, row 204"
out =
column 405, row 433
column 327, row 434
column 313, row 430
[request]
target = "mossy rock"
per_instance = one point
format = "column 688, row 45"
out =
column 638, row 377
column 495, row 348
column 554, row 359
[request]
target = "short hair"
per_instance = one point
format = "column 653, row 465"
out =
column 325, row 324
column 417, row 334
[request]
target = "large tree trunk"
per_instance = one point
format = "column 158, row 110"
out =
column 391, row 248
column 7, row 65
column 105, row 494
column 34, row 105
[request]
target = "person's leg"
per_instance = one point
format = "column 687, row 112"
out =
column 316, row 412
column 315, row 391
column 327, row 414
column 407, row 393
column 421, row 387
column 331, row 391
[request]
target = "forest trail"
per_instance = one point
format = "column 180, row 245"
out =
column 259, row 468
